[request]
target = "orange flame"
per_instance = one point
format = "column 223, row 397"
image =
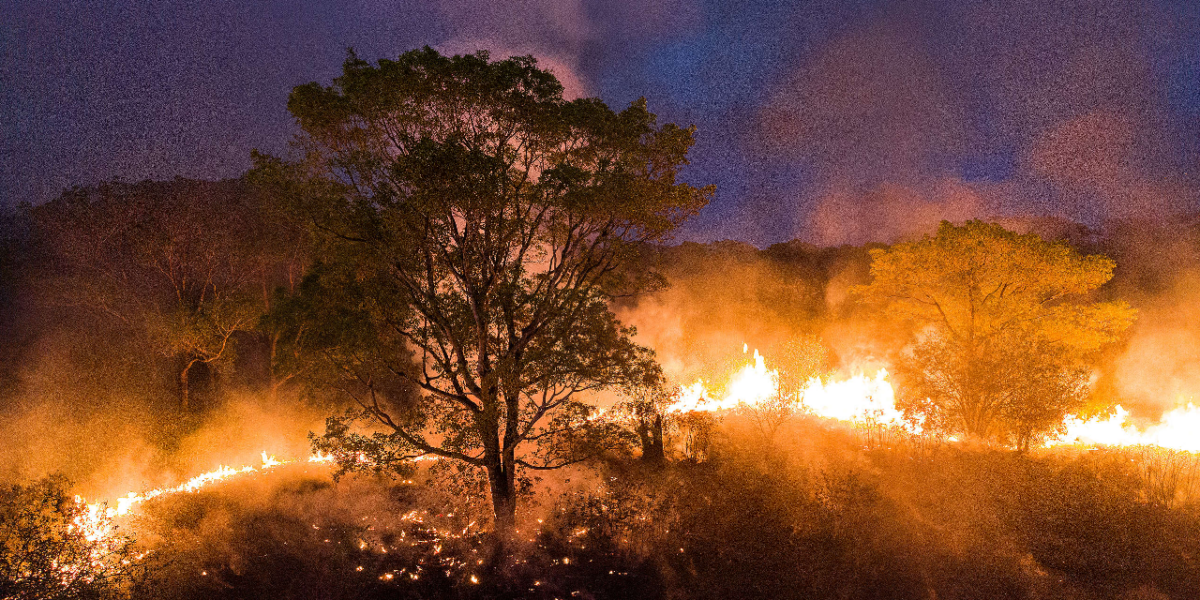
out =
column 1176, row 430
column 857, row 398
column 863, row 398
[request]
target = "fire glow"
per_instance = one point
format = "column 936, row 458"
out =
column 1176, row 430
column 97, row 521
column 859, row 398
column 863, row 398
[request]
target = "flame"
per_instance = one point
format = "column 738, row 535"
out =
column 1176, row 430
column 859, row 398
column 750, row 385
column 870, row 399
column 97, row 520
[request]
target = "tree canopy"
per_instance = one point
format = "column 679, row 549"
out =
column 1002, row 326
column 475, row 227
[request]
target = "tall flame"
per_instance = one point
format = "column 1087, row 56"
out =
column 1177, row 430
column 863, row 398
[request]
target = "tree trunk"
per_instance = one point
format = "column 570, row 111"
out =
column 185, row 390
column 273, row 382
column 500, row 465
column 504, row 500
column 184, row 400
column 651, row 433
column 504, row 511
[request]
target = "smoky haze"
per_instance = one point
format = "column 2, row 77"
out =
column 827, row 121
column 971, row 109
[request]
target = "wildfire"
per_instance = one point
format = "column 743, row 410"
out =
column 751, row 385
column 870, row 399
column 97, row 521
column 860, row 397
column 1176, row 430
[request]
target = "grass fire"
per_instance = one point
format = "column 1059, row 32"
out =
column 477, row 329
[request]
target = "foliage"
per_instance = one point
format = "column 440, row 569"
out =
column 1001, row 328
column 45, row 555
column 484, row 222
column 184, row 266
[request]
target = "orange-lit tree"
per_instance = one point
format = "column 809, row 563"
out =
column 1002, row 328
column 475, row 226
column 46, row 554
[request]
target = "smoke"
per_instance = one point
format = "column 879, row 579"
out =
column 565, row 36
column 92, row 406
column 890, row 212
column 1157, row 273
column 727, row 299
column 1105, row 166
column 954, row 110
column 553, row 32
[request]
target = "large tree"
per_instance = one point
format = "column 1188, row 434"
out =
column 480, row 224
column 1002, row 327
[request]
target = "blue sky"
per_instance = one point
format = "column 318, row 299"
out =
column 830, row 121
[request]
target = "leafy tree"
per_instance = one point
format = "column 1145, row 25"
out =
column 1002, row 328
column 184, row 266
column 477, row 225
column 45, row 554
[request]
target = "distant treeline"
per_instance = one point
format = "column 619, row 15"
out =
column 156, row 289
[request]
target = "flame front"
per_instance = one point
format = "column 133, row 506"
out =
column 858, row 398
column 863, row 398
column 96, row 521
column 1175, row 430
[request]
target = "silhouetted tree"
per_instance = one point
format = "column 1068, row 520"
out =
column 183, row 265
column 648, row 399
column 484, row 222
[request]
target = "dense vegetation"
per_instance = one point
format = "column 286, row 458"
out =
column 814, row 515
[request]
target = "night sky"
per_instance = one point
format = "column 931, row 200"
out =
column 831, row 121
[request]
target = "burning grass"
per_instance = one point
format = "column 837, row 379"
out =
column 832, row 504
column 816, row 514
